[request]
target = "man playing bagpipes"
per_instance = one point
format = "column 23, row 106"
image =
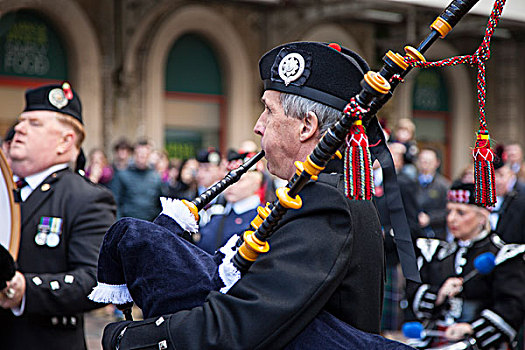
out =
column 324, row 272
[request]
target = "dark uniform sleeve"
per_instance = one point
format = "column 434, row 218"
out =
column 66, row 292
column 281, row 293
column 423, row 296
column 502, row 321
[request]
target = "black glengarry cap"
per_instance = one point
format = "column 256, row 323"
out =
column 325, row 73
column 55, row 97
column 209, row 155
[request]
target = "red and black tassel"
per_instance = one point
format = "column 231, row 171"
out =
column 359, row 180
column 485, row 187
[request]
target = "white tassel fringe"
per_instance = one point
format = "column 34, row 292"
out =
column 110, row 293
column 175, row 209
column 227, row 271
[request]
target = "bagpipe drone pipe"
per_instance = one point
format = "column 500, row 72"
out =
column 126, row 269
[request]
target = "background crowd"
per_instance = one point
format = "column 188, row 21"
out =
column 423, row 189
column 138, row 174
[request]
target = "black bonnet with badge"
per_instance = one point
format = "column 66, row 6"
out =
column 326, row 73
column 55, row 97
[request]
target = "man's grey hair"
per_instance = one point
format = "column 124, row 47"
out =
column 298, row 107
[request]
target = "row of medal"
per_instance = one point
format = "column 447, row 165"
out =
column 49, row 231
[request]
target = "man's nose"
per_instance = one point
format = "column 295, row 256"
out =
column 20, row 127
column 258, row 129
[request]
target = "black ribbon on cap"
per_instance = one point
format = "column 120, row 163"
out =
column 81, row 161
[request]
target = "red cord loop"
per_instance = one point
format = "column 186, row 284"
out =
column 484, row 168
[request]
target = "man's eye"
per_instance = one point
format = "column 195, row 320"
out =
column 35, row 123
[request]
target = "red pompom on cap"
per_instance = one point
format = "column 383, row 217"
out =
column 335, row 46
column 67, row 90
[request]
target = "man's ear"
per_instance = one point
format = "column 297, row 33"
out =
column 309, row 127
column 67, row 141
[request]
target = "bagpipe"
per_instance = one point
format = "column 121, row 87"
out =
column 359, row 129
column 196, row 273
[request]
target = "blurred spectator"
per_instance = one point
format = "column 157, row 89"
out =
column 514, row 155
column 137, row 189
column 267, row 190
column 98, row 170
column 185, row 186
column 173, row 174
column 432, row 196
column 210, row 168
column 159, row 161
column 404, row 133
column 270, row 182
column 489, row 306
column 161, row 164
column 508, row 216
column 122, row 152
column 242, row 202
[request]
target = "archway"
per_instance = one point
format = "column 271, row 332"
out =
column 83, row 55
column 231, row 53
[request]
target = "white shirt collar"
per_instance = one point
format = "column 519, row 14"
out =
column 33, row 181
column 242, row 206
column 469, row 242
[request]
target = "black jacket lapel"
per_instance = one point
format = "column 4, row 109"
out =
column 38, row 197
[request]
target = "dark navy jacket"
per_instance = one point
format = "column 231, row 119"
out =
column 58, row 279
column 235, row 220
column 326, row 256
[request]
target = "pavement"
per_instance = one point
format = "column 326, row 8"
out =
column 96, row 320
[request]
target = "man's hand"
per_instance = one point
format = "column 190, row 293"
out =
column 452, row 287
column 12, row 295
column 458, row 331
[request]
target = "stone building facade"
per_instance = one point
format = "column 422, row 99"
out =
column 184, row 73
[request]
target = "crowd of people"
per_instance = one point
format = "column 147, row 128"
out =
column 450, row 232
column 327, row 261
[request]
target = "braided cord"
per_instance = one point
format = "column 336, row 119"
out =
column 485, row 192
column 477, row 59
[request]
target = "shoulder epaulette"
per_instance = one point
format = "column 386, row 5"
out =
column 497, row 241
column 509, row 251
column 427, row 247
